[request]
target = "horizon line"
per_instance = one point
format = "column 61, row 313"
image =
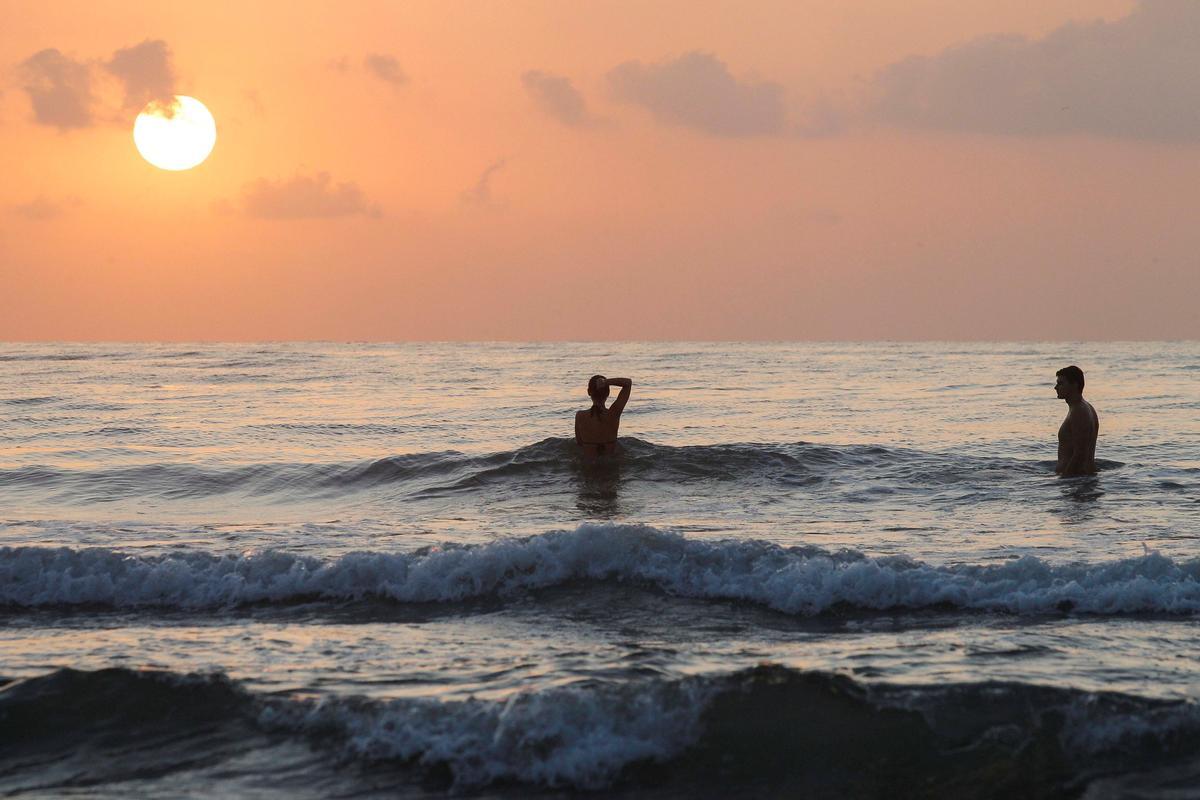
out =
column 588, row 341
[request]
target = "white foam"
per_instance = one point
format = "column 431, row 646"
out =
column 575, row 736
column 584, row 735
column 793, row 580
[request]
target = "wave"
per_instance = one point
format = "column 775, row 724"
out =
column 52, row 356
column 768, row 726
column 794, row 580
column 550, row 460
column 29, row 401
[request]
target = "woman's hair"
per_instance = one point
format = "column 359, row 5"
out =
column 597, row 393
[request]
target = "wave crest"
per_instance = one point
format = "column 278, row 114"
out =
column 768, row 725
column 550, row 460
column 793, row 580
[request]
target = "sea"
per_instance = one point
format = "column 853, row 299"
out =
column 296, row 570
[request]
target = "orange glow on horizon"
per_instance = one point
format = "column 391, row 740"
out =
column 386, row 175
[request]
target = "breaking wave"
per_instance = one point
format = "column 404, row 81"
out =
column 770, row 726
column 793, row 580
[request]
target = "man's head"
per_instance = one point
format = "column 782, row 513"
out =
column 1069, row 383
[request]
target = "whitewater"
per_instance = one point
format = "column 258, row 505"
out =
column 379, row 570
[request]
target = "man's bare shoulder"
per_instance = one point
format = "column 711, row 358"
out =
column 1084, row 419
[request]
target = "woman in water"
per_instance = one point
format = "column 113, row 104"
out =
column 596, row 428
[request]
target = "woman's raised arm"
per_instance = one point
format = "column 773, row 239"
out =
column 626, row 386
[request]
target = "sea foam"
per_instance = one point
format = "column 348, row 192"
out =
column 794, row 580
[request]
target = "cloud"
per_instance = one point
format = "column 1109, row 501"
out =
column 302, row 197
column 555, row 95
column 697, row 91
column 1134, row 77
column 386, row 68
column 42, row 208
column 481, row 193
column 146, row 72
column 60, row 89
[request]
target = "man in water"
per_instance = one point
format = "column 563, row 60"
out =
column 1077, row 436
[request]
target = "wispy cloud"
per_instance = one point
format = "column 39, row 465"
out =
column 555, row 95
column 303, row 197
column 43, row 208
column 380, row 66
column 386, row 68
column 481, row 193
column 697, row 90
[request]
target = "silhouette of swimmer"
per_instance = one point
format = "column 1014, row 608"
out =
column 596, row 427
column 1077, row 436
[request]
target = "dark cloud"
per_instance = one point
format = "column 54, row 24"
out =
column 1135, row 77
column 146, row 72
column 60, row 89
column 302, row 197
column 386, row 68
column 698, row 91
column 481, row 193
column 555, row 95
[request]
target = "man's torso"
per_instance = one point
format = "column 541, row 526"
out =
column 1086, row 461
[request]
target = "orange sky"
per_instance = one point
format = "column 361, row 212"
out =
column 594, row 170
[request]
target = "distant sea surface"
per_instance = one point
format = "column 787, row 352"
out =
column 824, row 570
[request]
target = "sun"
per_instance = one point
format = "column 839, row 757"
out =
column 179, row 141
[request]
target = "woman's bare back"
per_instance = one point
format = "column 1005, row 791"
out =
column 596, row 428
column 597, row 434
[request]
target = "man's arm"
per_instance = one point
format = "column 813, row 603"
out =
column 626, row 387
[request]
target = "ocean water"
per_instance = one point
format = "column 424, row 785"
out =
column 374, row 570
